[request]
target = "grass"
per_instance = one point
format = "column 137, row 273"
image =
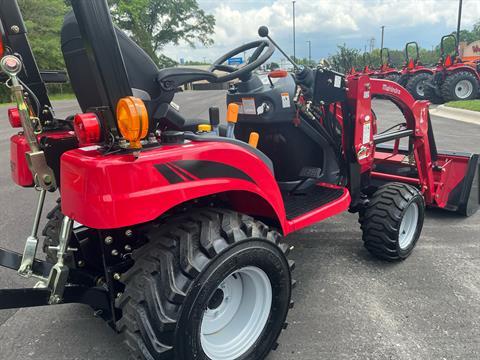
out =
column 473, row 105
column 56, row 97
column 53, row 97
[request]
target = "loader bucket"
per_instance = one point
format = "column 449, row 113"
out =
column 458, row 186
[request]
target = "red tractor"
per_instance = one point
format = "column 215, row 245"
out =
column 367, row 67
column 174, row 231
column 414, row 74
column 453, row 79
column 386, row 70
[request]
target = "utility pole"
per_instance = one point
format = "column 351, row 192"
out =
column 294, row 50
column 460, row 5
column 309, row 52
column 383, row 32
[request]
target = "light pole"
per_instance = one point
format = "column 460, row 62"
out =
column 383, row 32
column 309, row 52
column 460, row 4
column 294, row 52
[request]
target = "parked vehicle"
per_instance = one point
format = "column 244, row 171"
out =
column 173, row 231
column 414, row 74
column 453, row 79
column 386, row 70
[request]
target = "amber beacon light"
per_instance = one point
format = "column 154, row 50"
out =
column 132, row 120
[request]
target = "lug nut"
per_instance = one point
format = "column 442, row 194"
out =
column 114, row 252
column 116, row 276
column 108, row 240
column 129, row 233
column 128, row 248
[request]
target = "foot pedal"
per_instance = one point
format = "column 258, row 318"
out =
column 311, row 173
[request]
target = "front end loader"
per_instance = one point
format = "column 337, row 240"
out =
column 173, row 230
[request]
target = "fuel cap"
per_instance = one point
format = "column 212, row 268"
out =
column 172, row 137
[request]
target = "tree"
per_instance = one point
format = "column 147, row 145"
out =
column 43, row 19
column 153, row 24
column 345, row 58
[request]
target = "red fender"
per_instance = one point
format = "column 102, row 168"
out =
column 114, row 191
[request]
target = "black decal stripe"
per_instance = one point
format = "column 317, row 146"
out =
column 210, row 169
column 183, row 172
column 169, row 174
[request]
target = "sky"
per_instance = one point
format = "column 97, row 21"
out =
column 327, row 23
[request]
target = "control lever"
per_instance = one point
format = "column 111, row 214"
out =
column 214, row 115
column 263, row 32
column 304, row 75
column 232, row 118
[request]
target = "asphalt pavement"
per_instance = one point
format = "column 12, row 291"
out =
column 348, row 304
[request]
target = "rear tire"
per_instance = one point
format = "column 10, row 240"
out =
column 392, row 221
column 202, row 279
column 416, row 85
column 462, row 85
column 392, row 77
column 403, row 79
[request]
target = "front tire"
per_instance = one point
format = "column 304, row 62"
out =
column 416, row 85
column 392, row 221
column 212, row 284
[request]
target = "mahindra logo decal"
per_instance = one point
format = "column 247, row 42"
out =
column 390, row 89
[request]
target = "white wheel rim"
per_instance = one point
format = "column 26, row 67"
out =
column 237, row 314
column 421, row 88
column 463, row 89
column 408, row 226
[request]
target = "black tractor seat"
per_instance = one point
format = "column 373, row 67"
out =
column 155, row 87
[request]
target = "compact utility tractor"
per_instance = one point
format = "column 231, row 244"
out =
column 386, row 70
column 173, row 230
column 453, row 79
column 414, row 74
column 367, row 67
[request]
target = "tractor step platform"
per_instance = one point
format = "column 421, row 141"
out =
column 304, row 201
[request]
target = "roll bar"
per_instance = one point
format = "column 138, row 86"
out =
column 442, row 44
column 407, row 56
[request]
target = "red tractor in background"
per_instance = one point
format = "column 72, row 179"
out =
column 453, row 79
column 414, row 74
column 367, row 63
column 173, row 230
column 386, row 70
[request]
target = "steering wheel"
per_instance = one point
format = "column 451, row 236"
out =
column 258, row 58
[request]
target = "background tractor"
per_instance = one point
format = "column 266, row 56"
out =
column 453, row 79
column 414, row 74
column 386, row 70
